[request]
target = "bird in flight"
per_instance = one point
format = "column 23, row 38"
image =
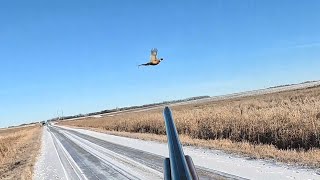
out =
column 153, row 58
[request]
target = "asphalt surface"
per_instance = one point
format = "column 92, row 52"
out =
column 87, row 157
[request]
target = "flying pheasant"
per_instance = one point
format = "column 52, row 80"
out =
column 153, row 58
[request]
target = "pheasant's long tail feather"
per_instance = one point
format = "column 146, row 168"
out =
column 146, row 64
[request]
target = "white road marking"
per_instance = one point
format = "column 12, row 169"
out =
column 72, row 163
column 55, row 148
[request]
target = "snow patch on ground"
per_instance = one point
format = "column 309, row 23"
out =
column 214, row 159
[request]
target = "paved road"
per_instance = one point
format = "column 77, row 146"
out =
column 86, row 157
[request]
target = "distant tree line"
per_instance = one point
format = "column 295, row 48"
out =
column 306, row 82
column 129, row 108
column 25, row 124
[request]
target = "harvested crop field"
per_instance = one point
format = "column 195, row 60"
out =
column 284, row 126
column 18, row 151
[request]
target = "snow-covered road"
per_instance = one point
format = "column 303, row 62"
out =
column 69, row 153
column 54, row 161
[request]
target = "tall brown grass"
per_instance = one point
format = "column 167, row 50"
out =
column 286, row 120
column 18, row 150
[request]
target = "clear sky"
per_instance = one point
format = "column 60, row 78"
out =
column 82, row 56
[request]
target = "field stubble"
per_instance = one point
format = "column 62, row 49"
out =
column 18, row 151
column 283, row 126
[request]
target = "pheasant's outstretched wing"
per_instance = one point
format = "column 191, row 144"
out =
column 154, row 53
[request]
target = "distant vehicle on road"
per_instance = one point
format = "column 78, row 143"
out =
column 43, row 123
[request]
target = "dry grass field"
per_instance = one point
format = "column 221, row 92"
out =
column 18, row 151
column 284, row 126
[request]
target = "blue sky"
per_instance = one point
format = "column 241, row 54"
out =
column 82, row 56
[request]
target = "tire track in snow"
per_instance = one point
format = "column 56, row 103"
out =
column 151, row 160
